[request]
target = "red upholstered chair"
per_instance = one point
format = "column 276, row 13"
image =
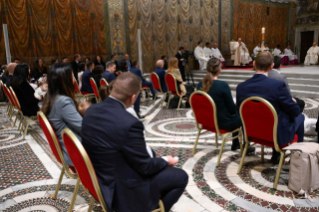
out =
column 103, row 82
column 16, row 105
column 79, row 95
column 119, row 73
column 95, row 90
column 172, row 89
column 6, row 94
column 258, row 110
column 157, row 86
column 57, row 152
column 86, row 170
column 23, row 118
column 205, row 113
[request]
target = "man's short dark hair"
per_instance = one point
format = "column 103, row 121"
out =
column 207, row 43
column 112, row 56
column 16, row 59
column 98, row 70
column 89, row 64
column 126, row 85
column 64, row 58
column 181, row 48
column 277, row 62
column 76, row 56
column 278, row 46
column 164, row 56
column 134, row 63
column 263, row 61
column 199, row 42
column 109, row 64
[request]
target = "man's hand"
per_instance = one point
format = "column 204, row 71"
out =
column 182, row 59
column 171, row 161
column 184, row 83
column 294, row 100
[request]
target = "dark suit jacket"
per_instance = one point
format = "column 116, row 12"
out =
column 108, row 76
column 161, row 74
column 277, row 94
column 116, row 146
column 75, row 67
column 273, row 74
column 28, row 103
column 138, row 72
column 86, row 85
column 8, row 79
column 37, row 73
column 180, row 63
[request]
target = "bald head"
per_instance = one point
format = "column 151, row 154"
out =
column 160, row 64
column 215, row 45
column 11, row 68
column 126, row 88
column 264, row 62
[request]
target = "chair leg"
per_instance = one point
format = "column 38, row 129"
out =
column 221, row 151
column 75, row 193
column 26, row 128
column 240, row 135
column 162, row 101
column 161, row 206
column 195, row 145
column 92, row 201
column 155, row 98
column 8, row 107
column 179, row 103
column 282, row 159
column 216, row 140
column 22, row 122
column 169, row 100
column 15, row 121
column 243, row 157
column 262, row 153
column 59, row 183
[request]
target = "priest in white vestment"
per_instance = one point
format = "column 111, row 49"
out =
column 266, row 48
column 207, row 51
column 312, row 55
column 200, row 56
column 292, row 57
column 257, row 49
column 241, row 54
column 216, row 53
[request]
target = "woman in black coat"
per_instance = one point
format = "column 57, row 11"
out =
column 40, row 70
column 24, row 91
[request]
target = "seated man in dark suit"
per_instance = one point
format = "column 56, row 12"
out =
column 113, row 59
column 290, row 120
column 108, row 74
column 274, row 74
column 161, row 74
column 130, row 179
column 75, row 66
column 86, row 85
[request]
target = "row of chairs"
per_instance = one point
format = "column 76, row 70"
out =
column 13, row 105
column 83, row 170
column 260, row 122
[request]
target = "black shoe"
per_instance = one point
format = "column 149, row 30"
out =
column 156, row 97
column 235, row 147
column 275, row 157
column 140, row 117
column 187, row 105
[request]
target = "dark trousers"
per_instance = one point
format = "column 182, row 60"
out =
column 301, row 104
column 150, row 85
column 171, row 183
column 182, row 70
column 137, row 104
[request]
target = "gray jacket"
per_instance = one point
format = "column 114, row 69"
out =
column 63, row 115
column 273, row 74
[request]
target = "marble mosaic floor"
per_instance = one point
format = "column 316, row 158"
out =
column 29, row 172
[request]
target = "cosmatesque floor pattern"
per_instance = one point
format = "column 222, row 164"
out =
column 29, row 171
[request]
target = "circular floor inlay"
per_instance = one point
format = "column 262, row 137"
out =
column 270, row 173
column 185, row 126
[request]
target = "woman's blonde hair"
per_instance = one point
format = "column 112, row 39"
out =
column 172, row 65
column 213, row 67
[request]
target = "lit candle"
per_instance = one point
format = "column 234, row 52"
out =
column 263, row 30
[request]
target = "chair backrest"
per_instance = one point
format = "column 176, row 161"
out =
column 204, row 110
column 103, row 82
column 76, row 87
column 14, row 97
column 171, row 83
column 156, row 82
column 259, row 119
column 94, row 87
column 51, row 136
column 83, row 165
column 6, row 92
column 119, row 73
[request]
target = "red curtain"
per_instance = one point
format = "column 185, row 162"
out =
column 50, row 29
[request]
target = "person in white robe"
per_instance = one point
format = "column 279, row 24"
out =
column 257, row 49
column 207, row 51
column 290, row 54
column 277, row 52
column 312, row 55
column 266, row 48
column 200, row 56
column 216, row 53
column 241, row 54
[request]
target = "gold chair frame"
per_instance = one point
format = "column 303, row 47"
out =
column 11, row 105
column 282, row 152
column 9, row 101
column 156, row 91
column 104, row 81
column 218, row 133
column 79, row 96
column 177, row 93
column 16, row 105
column 65, row 168
column 98, row 98
column 93, row 176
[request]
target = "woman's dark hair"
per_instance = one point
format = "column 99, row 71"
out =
column 53, row 61
column 213, row 67
column 98, row 70
column 123, row 65
column 40, row 69
column 60, row 80
column 101, row 59
column 82, row 67
column 21, row 74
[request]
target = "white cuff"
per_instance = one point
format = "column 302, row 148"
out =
column 165, row 158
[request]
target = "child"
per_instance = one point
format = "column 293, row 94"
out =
column 83, row 106
column 41, row 91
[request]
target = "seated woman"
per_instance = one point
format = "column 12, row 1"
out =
column 227, row 115
column 59, row 104
column 40, row 70
column 24, row 91
column 173, row 69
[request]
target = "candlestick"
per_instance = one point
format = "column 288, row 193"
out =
column 263, row 30
column 262, row 39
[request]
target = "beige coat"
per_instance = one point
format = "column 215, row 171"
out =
column 178, row 77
